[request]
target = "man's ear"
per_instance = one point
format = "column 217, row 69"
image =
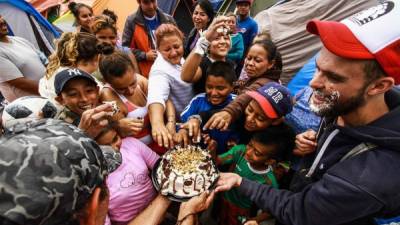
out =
column 380, row 86
column 278, row 121
column 92, row 208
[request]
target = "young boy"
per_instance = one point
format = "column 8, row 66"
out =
column 247, row 25
column 77, row 91
column 255, row 161
column 219, row 84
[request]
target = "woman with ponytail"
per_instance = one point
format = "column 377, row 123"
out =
column 73, row 50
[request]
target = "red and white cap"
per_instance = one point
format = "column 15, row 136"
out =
column 370, row 34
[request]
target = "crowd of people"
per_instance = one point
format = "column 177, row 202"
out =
column 328, row 155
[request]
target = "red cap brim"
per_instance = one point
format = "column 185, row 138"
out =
column 264, row 104
column 338, row 39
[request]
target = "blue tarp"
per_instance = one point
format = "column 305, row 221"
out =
column 167, row 6
column 303, row 77
column 26, row 7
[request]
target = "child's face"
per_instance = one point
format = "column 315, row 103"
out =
column 110, row 137
column 256, row 62
column 257, row 154
column 220, row 46
column 217, row 89
column 231, row 21
column 107, row 35
column 256, row 119
column 79, row 95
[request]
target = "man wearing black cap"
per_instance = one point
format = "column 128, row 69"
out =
column 353, row 177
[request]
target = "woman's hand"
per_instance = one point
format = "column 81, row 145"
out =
column 161, row 135
column 218, row 25
column 220, row 120
column 130, row 126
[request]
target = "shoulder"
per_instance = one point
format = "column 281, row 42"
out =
column 130, row 142
column 200, row 98
column 366, row 169
column 164, row 17
column 238, row 148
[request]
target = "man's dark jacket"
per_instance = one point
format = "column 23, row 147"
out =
column 352, row 191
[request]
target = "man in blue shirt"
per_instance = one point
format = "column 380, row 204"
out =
column 247, row 26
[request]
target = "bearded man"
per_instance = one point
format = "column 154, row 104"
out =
column 353, row 175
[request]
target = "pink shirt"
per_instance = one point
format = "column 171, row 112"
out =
column 130, row 186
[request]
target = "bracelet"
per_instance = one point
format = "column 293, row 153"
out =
column 196, row 116
column 185, row 217
column 201, row 46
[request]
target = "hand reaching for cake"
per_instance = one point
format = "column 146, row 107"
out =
column 198, row 203
column 227, row 181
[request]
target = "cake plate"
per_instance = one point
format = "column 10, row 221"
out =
column 170, row 196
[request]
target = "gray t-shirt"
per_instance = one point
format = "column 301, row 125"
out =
column 19, row 58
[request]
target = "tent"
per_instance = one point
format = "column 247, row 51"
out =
column 181, row 10
column 122, row 8
column 26, row 22
column 52, row 9
column 287, row 25
column 256, row 7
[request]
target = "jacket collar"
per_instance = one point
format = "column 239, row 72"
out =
column 139, row 17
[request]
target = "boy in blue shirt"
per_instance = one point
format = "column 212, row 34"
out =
column 247, row 26
column 219, row 85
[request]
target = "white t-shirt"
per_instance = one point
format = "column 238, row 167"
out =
column 165, row 81
column 19, row 58
column 46, row 86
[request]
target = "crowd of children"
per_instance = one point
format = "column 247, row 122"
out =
column 217, row 88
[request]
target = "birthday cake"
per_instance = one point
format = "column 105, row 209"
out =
column 186, row 172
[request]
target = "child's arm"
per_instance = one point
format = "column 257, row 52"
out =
column 230, row 156
column 234, row 110
column 191, row 70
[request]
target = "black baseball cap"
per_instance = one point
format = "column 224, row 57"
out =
column 64, row 76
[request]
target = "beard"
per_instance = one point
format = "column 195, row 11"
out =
column 331, row 107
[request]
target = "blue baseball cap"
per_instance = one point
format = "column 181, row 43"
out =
column 274, row 99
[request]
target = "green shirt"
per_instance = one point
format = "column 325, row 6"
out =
column 236, row 156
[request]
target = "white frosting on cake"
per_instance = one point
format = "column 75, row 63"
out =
column 186, row 172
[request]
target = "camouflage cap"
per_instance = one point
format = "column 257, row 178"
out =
column 48, row 171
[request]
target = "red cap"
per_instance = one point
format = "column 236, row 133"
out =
column 264, row 104
column 370, row 34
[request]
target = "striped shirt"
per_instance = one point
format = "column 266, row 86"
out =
column 165, row 82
